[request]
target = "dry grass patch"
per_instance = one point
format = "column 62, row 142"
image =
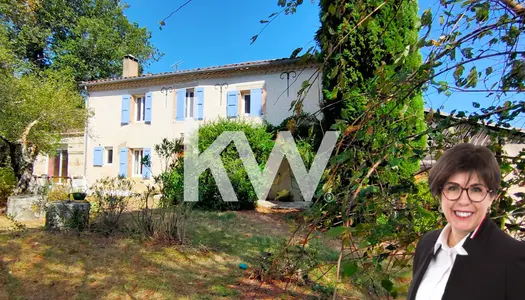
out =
column 35, row 264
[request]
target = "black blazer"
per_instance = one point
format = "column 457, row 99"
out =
column 494, row 268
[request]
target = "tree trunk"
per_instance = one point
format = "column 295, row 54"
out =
column 23, row 155
column 25, row 182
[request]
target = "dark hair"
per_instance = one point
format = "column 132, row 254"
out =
column 465, row 158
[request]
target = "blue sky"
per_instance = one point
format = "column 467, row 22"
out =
column 209, row 32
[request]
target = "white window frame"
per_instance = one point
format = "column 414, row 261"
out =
column 140, row 108
column 106, row 155
column 134, row 162
column 244, row 103
column 189, row 104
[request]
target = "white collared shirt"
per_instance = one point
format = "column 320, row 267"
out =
column 435, row 280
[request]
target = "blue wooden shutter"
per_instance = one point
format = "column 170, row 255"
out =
column 124, row 119
column 199, row 93
column 256, row 102
column 98, row 156
column 123, row 164
column 181, row 98
column 146, row 169
column 232, row 104
column 147, row 117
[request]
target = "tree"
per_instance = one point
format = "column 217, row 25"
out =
column 88, row 37
column 36, row 109
column 46, row 48
column 372, row 78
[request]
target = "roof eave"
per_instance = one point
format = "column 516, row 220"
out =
column 237, row 67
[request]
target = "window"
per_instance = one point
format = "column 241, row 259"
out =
column 246, row 104
column 190, row 101
column 109, row 155
column 140, row 108
column 138, row 155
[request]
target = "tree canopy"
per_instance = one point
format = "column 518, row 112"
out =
column 46, row 48
column 89, row 37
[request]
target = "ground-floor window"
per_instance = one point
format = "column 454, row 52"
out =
column 138, row 155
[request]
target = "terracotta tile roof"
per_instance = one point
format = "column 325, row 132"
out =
column 228, row 67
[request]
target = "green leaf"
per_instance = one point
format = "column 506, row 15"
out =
column 331, row 9
column 443, row 86
column 349, row 268
column 441, row 20
column 467, row 52
column 458, row 73
column 488, row 71
column 482, row 11
column 426, row 18
column 264, row 21
column 335, row 231
column 387, row 284
column 472, row 78
column 295, row 52
column 254, row 38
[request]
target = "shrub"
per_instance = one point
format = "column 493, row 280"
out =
column 58, row 193
column 166, row 225
column 7, row 184
column 109, row 201
column 261, row 143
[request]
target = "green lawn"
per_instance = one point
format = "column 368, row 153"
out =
column 35, row 264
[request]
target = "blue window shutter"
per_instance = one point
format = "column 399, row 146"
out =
column 181, row 97
column 232, row 104
column 123, row 164
column 146, row 169
column 98, row 156
column 199, row 93
column 124, row 119
column 256, row 102
column 147, row 117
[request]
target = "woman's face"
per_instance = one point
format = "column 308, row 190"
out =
column 464, row 215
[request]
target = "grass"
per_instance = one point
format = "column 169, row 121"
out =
column 35, row 264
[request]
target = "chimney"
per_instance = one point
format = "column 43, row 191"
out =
column 130, row 66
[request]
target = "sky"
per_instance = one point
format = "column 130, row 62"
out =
column 216, row 32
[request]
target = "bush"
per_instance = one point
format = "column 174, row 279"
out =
column 7, row 184
column 58, row 193
column 109, row 201
column 261, row 143
column 166, row 225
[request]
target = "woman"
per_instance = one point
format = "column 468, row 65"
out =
column 470, row 258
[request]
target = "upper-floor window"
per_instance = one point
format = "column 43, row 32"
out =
column 140, row 108
column 190, row 103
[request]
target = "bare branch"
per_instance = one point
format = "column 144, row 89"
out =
column 515, row 7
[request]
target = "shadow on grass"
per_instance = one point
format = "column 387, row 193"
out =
column 36, row 264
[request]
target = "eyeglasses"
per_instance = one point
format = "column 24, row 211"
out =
column 476, row 192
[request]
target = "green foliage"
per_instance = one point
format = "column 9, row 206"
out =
column 46, row 103
column 261, row 143
column 89, row 38
column 373, row 80
column 7, row 184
